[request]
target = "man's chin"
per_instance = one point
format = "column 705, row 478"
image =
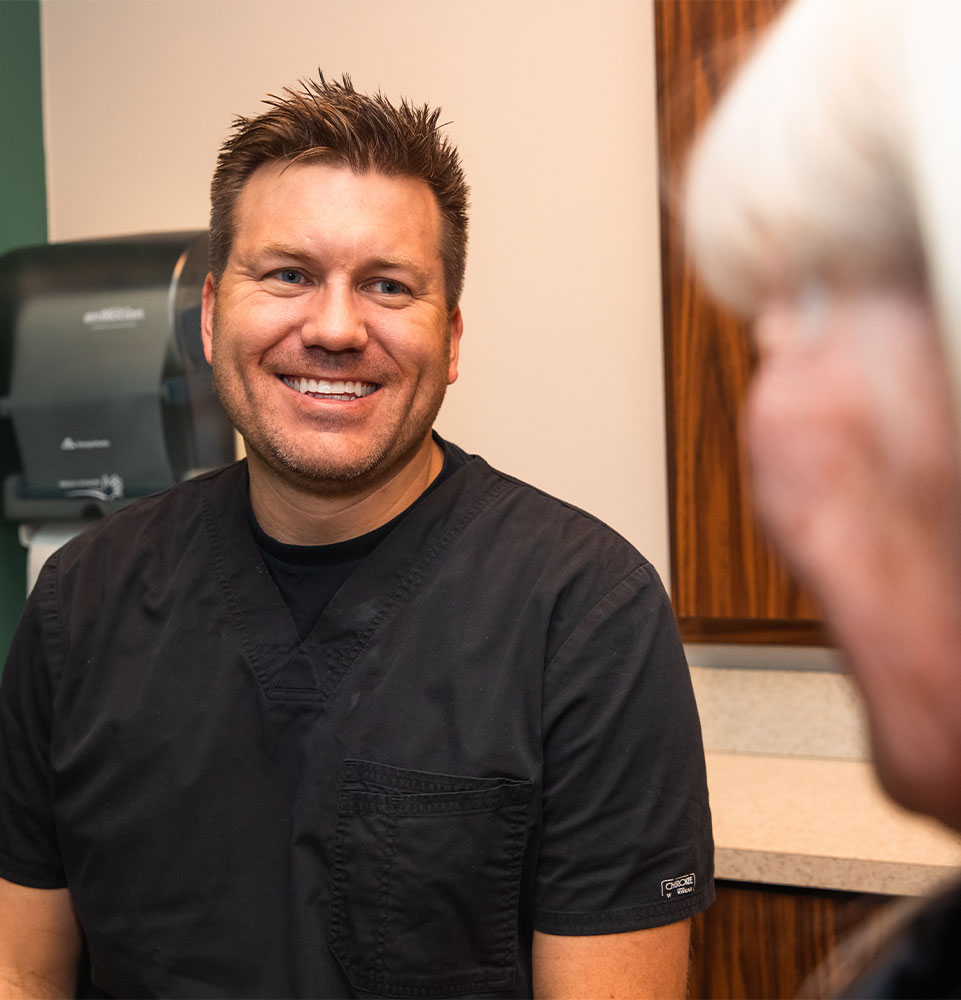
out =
column 332, row 475
column 328, row 477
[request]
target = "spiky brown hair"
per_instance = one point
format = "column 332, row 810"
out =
column 333, row 123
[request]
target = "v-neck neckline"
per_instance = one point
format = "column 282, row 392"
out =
column 309, row 670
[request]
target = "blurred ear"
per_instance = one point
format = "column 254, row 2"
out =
column 456, row 325
column 207, row 303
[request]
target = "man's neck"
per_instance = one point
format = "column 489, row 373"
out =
column 300, row 517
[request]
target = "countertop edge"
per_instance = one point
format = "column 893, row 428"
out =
column 821, row 872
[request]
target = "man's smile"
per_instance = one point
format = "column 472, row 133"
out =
column 325, row 389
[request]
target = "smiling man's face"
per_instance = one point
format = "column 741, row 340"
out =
column 328, row 332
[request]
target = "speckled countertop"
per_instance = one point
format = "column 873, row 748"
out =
column 793, row 796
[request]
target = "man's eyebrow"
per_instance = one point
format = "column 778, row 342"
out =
column 281, row 250
column 398, row 264
column 388, row 263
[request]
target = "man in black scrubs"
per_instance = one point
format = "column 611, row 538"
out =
column 359, row 715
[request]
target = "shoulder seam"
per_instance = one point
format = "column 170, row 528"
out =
column 568, row 505
column 642, row 565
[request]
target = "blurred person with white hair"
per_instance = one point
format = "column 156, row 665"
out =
column 822, row 200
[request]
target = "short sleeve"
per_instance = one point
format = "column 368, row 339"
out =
column 627, row 840
column 29, row 853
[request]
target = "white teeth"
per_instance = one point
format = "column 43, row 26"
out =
column 322, row 387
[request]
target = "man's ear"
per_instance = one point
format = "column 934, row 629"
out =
column 207, row 302
column 456, row 325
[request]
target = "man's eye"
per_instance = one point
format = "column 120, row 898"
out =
column 289, row 276
column 387, row 286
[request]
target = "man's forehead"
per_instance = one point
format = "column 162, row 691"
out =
column 290, row 209
column 322, row 186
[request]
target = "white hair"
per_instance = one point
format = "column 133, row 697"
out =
column 836, row 155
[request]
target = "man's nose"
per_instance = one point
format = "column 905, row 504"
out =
column 333, row 321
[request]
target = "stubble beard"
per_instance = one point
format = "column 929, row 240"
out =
column 320, row 473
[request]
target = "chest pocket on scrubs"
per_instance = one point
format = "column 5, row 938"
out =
column 426, row 879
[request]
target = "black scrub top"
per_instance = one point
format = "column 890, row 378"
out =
column 489, row 729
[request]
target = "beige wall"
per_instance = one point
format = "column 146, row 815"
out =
column 552, row 105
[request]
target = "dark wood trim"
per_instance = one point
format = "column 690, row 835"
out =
column 754, row 630
column 772, row 941
column 727, row 584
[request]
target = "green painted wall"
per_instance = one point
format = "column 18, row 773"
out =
column 23, row 220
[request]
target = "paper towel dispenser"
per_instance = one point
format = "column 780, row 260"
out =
column 105, row 394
